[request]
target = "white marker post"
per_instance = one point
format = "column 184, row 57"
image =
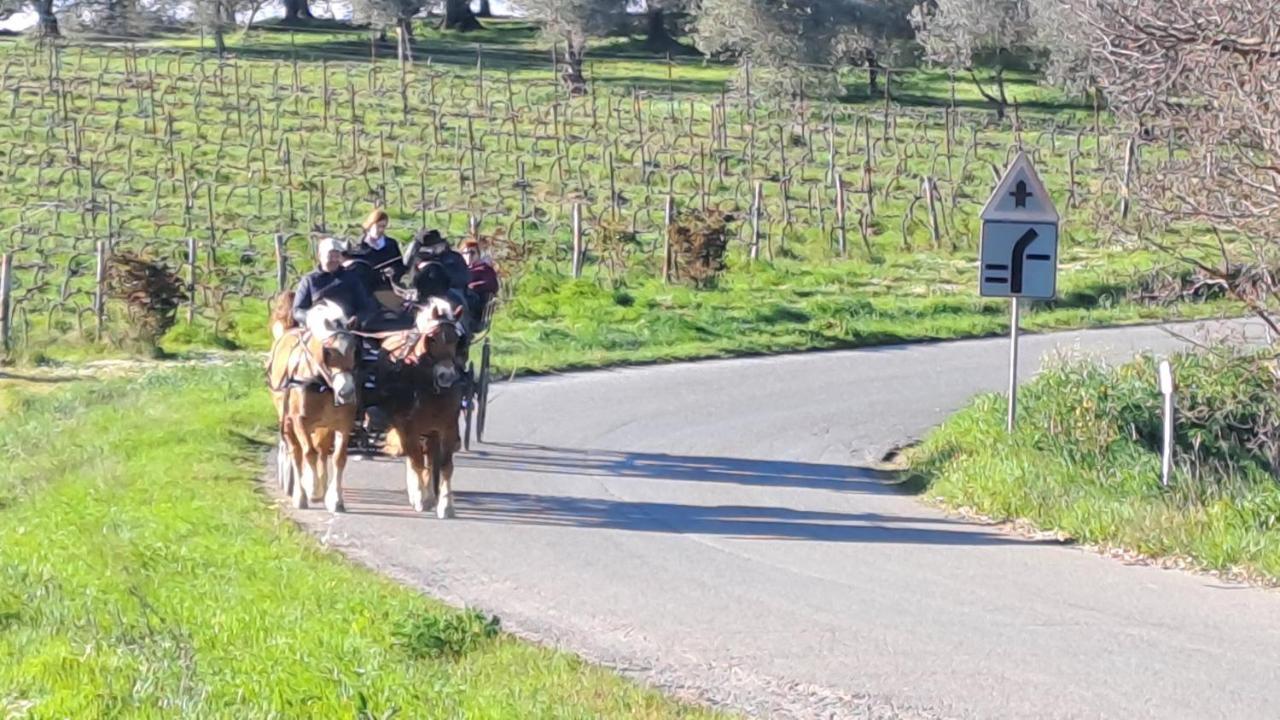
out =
column 1019, row 251
column 1166, row 445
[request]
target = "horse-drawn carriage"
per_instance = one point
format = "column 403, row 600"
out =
column 399, row 387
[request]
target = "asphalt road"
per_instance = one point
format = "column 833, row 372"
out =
column 712, row 528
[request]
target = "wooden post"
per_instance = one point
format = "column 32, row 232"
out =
column 6, row 299
column 282, row 271
column 577, row 240
column 840, row 226
column 668, row 218
column 935, row 231
column 100, row 292
column 192, row 249
column 213, row 231
column 756, row 202
column 1130, row 161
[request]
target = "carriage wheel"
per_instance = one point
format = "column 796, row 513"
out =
column 482, row 392
column 284, row 468
column 468, row 408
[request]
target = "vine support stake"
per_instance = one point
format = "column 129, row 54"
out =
column 6, row 302
column 577, row 240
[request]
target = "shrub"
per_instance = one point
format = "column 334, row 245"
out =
column 698, row 242
column 427, row 635
column 151, row 293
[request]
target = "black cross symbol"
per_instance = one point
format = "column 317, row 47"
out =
column 1020, row 194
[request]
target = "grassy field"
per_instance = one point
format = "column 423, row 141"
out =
column 144, row 574
column 153, row 144
column 1085, row 461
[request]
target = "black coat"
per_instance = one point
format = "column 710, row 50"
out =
column 382, row 264
column 446, row 270
column 344, row 287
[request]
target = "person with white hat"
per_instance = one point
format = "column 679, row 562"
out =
column 331, row 282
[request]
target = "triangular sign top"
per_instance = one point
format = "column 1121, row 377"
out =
column 1020, row 196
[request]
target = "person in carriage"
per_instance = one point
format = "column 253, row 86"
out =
column 377, row 257
column 331, row 281
column 484, row 281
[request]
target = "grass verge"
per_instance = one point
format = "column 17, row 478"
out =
column 1085, row 461
column 143, row 575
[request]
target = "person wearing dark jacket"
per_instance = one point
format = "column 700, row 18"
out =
column 332, row 282
column 433, row 248
column 377, row 257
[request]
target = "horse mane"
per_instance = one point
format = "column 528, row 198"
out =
column 325, row 318
column 434, row 311
column 282, row 314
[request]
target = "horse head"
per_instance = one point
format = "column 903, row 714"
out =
column 438, row 322
column 334, row 348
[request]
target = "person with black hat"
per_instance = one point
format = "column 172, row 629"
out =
column 436, row 268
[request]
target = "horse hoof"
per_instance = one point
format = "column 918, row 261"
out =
column 444, row 512
column 419, row 505
column 336, row 507
column 300, row 501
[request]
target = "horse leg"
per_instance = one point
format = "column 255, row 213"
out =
column 333, row 497
column 429, row 473
column 323, row 447
column 446, row 448
column 413, row 476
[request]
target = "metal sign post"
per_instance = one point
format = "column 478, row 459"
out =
column 1019, row 251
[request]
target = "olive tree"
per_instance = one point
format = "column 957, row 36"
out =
column 792, row 46
column 1203, row 76
column 571, row 23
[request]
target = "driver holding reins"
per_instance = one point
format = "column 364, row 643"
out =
column 330, row 281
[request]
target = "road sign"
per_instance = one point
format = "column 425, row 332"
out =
column 1019, row 248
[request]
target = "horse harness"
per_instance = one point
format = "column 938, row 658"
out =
column 301, row 368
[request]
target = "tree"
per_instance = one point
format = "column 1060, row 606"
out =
column 396, row 14
column 458, row 16
column 1204, row 77
column 297, row 10
column 484, row 11
column 962, row 34
column 882, row 35
column 657, row 14
column 46, row 15
column 573, row 22
column 789, row 45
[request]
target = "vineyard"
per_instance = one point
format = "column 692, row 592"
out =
column 848, row 222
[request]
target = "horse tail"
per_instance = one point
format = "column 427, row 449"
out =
column 282, row 314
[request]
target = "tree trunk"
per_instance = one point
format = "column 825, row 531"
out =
column 873, row 74
column 295, row 10
column 458, row 16
column 571, row 73
column 219, row 41
column 485, row 10
column 48, row 21
column 656, row 35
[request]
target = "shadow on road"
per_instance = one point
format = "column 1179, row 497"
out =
column 728, row 521
column 521, row 457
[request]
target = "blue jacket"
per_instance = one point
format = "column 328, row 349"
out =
column 343, row 287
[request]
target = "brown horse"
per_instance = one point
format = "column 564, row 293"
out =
column 420, row 366
column 310, row 371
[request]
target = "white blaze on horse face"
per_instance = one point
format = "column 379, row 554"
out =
column 445, row 374
column 344, row 387
column 432, row 314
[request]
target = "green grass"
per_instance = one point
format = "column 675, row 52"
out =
column 144, row 574
column 297, row 171
column 1085, row 461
